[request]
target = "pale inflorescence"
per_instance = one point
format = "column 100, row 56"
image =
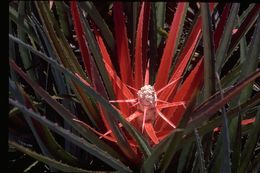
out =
column 147, row 96
column 146, row 102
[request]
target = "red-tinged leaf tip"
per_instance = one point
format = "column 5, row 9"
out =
column 212, row 6
column 144, row 118
column 122, row 44
column 234, row 31
column 248, row 121
column 243, row 27
column 217, row 129
column 243, row 122
column 147, row 74
column 80, row 36
column 82, row 80
column 151, row 132
column 171, row 44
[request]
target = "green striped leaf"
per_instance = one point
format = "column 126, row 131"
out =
column 51, row 162
column 80, row 142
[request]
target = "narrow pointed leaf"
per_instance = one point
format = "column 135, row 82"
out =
column 250, row 145
column 54, row 163
column 64, row 54
column 153, row 59
column 80, row 36
column 25, row 55
column 172, row 148
column 62, row 14
column 216, row 103
column 37, row 131
column 150, row 131
column 80, row 142
column 226, row 36
column 101, row 24
column 160, row 18
column 210, row 125
column 171, row 45
column 191, row 85
column 200, row 152
column 184, row 158
column 122, row 91
column 146, row 31
column 141, row 44
column 208, row 50
column 184, row 58
column 47, row 138
column 122, row 141
column 249, row 65
column 221, row 25
column 122, row 44
column 225, row 150
column 97, row 56
column 243, row 29
column 68, row 116
column 25, row 25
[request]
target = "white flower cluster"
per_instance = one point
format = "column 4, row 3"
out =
column 147, row 96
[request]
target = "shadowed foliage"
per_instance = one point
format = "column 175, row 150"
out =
column 134, row 86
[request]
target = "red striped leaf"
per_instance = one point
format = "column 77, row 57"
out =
column 122, row 92
column 120, row 89
column 186, row 92
column 185, row 55
column 170, row 47
column 221, row 25
column 116, row 132
column 151, row 132
column 184, row 58
column 80, row 36
column 147, row 11
column 244, row 27
column 103, row 48
column 248, row 121
column 141, row 44
column 122, row 44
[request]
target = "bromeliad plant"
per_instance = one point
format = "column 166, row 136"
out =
column 137, row 86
